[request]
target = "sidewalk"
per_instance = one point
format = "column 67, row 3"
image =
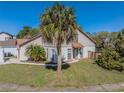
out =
column 97, row 88
column 40, row 64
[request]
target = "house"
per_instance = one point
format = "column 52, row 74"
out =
column 8, row 45
column 84, row 47
column 5, row 36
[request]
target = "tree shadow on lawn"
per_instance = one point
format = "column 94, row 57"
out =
column 53, row 66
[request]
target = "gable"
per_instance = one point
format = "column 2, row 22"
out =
column 34, row 40
column 84, row 39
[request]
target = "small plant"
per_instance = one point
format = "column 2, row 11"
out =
column 36, row 53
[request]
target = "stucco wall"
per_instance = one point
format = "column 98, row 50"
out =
column 84, row 40
column 87, row 43
column 86, row 49
column 23, row 57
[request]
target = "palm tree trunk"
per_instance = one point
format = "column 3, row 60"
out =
column 59, row 64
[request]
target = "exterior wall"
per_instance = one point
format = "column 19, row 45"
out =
column 1, row 55
column 86, row 49
column 49, row 48
column 50, row 51
column 22, row 56
column 11, row 49
column 87, row 43
column 4, row 37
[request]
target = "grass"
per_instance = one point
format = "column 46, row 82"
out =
column 120, row 90
column 79, row 74
column 25, row 74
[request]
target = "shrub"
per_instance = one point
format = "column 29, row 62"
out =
column 109, row 59
column 36, row 52
column 121, row 60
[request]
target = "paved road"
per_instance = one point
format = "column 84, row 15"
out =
column 26, row 88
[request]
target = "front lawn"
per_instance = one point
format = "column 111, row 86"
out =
column 78, row 74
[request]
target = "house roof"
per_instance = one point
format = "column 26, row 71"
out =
column 8, row 43
column 13, row 42
column 21, row 41
column 29, row 40
column 6, row 33
column 76, row 45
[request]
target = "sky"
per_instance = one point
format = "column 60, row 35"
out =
column 91, row 16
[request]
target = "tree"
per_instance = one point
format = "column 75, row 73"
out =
column 112, row 54
column 35, row 52
column 119, row 43
column 27, row 32
column 109, row 59
column 101, row 38
column 58, row 25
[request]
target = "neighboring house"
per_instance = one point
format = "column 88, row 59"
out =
column 5, row 36
column 9, row 45
column 83, row 47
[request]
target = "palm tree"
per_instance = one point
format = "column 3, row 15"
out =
column 58, row 25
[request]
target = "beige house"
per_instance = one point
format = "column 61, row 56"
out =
column 84, row 47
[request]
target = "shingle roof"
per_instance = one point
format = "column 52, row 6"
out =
column 13, row 42
column 29, row 40
column 21, row 41
column 8, row 43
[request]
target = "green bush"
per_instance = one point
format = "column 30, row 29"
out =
column 109, row 59
column 121, row 60
column 35, row 52
column 117, row 66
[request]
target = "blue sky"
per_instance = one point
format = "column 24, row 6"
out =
column 91, row 16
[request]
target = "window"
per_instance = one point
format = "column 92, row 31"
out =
column 69, row 53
